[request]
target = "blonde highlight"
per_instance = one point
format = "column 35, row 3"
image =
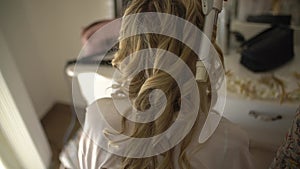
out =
column 147, row 80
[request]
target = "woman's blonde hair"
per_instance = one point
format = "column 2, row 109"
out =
column 146, row 81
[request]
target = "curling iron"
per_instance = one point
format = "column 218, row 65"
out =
column 211, row 10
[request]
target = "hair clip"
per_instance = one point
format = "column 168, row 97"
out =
column 201, row 73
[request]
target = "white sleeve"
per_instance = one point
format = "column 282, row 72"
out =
column 228, row 148
column 90, row 154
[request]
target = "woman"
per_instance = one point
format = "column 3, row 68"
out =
column 226, row 148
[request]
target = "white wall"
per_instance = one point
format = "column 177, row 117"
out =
column 18, row 120
column 42, row 35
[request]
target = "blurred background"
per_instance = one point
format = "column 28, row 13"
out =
column 37, row 39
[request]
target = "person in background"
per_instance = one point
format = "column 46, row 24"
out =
column 89, row 30
column 97, row 45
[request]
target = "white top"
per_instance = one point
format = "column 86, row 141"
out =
column 228, row 147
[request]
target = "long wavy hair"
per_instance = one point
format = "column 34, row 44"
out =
column 146, row 81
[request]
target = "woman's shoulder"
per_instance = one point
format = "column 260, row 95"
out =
column 228, row 147
column 108, row 104
column 106, row 109
column 234, row 132
column 99, row 103
column 229, row 136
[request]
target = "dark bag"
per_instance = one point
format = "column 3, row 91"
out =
column 271, row 19
column 269, row 49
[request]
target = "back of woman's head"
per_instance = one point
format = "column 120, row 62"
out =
column 144, row 82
